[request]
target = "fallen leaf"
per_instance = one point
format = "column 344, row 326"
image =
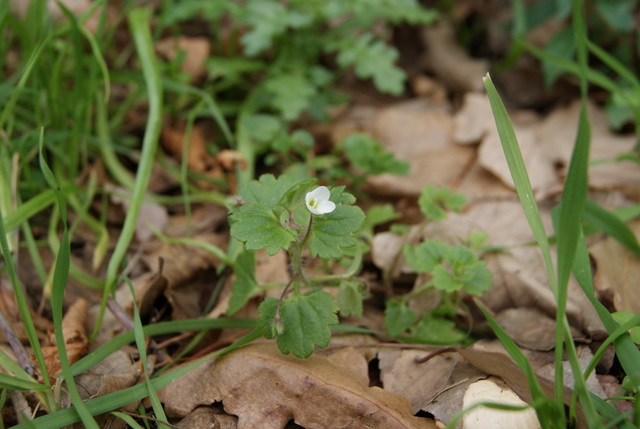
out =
column 116, row 372
column 173, row 139
column 418, row 132
column 540, row 168
column 207, row 418
column 474, row 119
column 449, row 61
column 618, row 271
column 418, row 383
column 152, row 215
column 267, row 389
column 528, row 327
column 196, row 51
column 74, row 332
column 558, row 132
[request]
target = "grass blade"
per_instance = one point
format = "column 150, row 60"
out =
column 140, row 29
column 60, row 274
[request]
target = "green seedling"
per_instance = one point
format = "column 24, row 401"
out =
column 453, row 271
column 279, row 214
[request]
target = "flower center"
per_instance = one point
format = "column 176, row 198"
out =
column 314, row 203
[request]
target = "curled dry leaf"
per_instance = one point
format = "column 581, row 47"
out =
column 75, row 337
column 267, row 389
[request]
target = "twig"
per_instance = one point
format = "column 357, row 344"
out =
column 16, row 345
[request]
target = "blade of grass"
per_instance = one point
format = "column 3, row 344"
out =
column 101, row 353
column 208, row 247
column 527, row 200
column 60, row 275
column 127, row 419
column 550, row 413
column 115, row 400
column 140, row 29
column 23, row 306
column 138, row 334
column 612, row 225
column 626, row 351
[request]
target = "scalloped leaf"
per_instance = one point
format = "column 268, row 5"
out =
column 332, row 232
column 257, row 226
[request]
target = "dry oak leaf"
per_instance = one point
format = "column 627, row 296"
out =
column 267, row 389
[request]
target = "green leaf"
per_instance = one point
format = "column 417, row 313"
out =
column 290, row 93
column 266, row 20
column 398, row 317
column 434, row 202
column 369, row 156
column 267, row 190
column 294, row 197
column 426, row 256
column 257, row 226
column 433, row 329
column 377, row 215
column 562, row 44
column 372, row 58
column 245, row 284
column 332, row 232
column 268, row 323
column 263, row 127
column 350, row 296
column 306, row 321
column 623, row 317
column 481, row 281
column 617, row 13
column 461, row 269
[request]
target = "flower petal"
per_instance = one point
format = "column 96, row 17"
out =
column 326, row 207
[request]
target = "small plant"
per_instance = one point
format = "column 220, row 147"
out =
column 297, row 217
column 453, row 270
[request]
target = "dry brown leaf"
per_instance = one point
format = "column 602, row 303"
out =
column 528, row 327
column 74, row 332
column 558, row 132
column 474, row 119
column 183, row 262
column 618, row 271
column 152, row 215
column 207, row 418
column 196, row 51
column 267, row 389
column 539, row 164
column 450, row 62
column 419, row 133
column 418, row 383
column 524, row 273
column 198, row 158
column 112, row 374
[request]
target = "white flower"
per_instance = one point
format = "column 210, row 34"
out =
column 318, row 201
